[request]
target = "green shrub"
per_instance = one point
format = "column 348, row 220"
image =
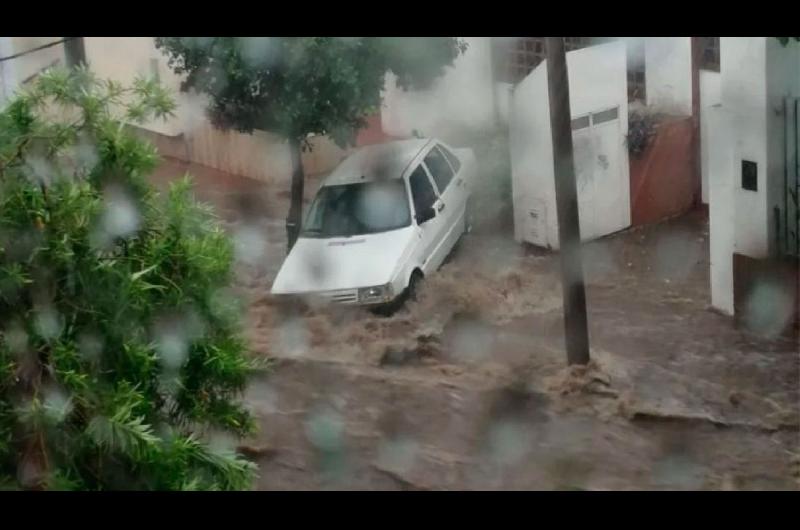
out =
column 120, row 356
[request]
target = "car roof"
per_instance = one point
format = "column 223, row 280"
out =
column 377, row 162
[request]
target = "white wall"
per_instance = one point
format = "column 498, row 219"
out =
column 531, row 149
column 598, row 81
column 503, row 93
column 710, row 95
column 461, row 99
column 668, row 63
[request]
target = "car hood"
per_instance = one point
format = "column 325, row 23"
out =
column 315, row 265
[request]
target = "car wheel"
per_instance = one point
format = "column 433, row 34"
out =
column 414, row 285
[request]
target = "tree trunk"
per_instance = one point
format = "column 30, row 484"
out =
column 33, row 466
column 75, row 51
column 294, row 218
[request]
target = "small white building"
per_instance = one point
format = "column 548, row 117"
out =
column 599, row 105
column 751, row 156
column 500, row 83
column 653, row 73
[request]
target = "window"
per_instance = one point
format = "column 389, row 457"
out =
column 636, row 69
column 517, row 58
column 356, row 209
column 455, row 163
column 440, row 170
column 421, row 190
column 604, row 116
column 709, row 53
column 580, row 123
column 576, row 43
column 637, row 85
column 749, row 175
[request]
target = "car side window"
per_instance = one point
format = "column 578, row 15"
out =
column 421, row 190
column 453, row 159
column 440, row 170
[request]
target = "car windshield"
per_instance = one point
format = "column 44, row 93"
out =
column 357, row 209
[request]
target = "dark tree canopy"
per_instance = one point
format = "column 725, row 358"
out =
column 296, row 86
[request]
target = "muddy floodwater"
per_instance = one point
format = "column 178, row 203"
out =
column 466, row 388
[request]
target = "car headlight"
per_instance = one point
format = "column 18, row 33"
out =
column 380, row 293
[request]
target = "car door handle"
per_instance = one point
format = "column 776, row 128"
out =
column 440, row 207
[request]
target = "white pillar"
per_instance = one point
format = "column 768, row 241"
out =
column 709, row 97
column 721, row 207
column 744, row 98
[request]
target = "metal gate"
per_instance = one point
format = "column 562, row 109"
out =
column 787, row 221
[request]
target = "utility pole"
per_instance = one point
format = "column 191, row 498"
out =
column 576, row 333
column 74, row 51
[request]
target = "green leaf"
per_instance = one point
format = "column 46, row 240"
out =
column 122, row 434
column 135, row 276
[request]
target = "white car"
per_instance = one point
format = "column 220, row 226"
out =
column 386, row 217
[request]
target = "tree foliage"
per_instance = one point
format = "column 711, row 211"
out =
column 120, row 352
column 297, row 86
column 786, row 40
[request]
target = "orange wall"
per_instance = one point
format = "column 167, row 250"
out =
column 372, row 133
column 663, row 178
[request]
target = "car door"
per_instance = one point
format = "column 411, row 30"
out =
column 430, row 231
column 451, row 201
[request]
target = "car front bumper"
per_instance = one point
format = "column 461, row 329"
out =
column 349, row 297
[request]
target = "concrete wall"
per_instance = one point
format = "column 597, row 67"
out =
column 598, row 81
column 668, row 63
column 189, row 135
column 8, row 77
column 460, row 101
column 28, row 66
column 126, row 58
column 710, row 96
column 663, row 179
column 18, row 72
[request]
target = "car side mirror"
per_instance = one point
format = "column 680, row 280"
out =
column 425, row 215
